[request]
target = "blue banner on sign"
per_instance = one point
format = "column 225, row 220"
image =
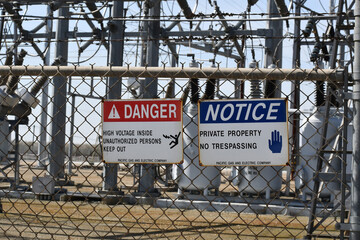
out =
column 243, row 111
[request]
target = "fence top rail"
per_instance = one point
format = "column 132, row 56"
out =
column 333, row 75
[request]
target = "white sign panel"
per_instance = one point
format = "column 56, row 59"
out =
column 250, row 132
column 142, row 131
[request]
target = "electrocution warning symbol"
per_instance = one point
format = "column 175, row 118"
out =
column 114, row 113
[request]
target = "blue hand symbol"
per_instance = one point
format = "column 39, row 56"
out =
column 275, row 143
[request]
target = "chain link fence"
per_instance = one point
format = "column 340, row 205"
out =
column 54, row 183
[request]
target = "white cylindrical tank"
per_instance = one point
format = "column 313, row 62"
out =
column 311, row 134
column 258, row 180
column 190, row 175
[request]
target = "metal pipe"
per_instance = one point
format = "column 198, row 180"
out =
column 38, row 27
column 282, row 8
column 172, row 25
column 17, row 160
column 94, row 11
column 333, row 75
column 355, row 179
column 186, row 9
column 344, row 162
column 71, row 137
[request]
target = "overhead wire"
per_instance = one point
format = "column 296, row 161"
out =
column 180, row 38
column 78, row 41
column 105, row 4
column 197, row 17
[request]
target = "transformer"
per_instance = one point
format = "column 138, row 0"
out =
column 311, row 134
column 190, row 175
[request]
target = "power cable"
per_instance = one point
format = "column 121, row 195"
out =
column 251, row 38
column 105, row 4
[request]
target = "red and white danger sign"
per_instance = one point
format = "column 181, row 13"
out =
column 142, row 131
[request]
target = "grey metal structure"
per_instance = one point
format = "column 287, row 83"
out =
column 114, row 83
column 43, row 155
column 148, row 88
column 231, row 34
column 57, row 149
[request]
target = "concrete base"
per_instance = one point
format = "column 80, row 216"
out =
column 253, row 208
column 115, row 192
column 64, row 182
column 218, row 203
column 154, row 194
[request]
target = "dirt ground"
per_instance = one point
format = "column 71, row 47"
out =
column 30, row 219
column 43, row 219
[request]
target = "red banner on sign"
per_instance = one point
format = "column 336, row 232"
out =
column 141, row 110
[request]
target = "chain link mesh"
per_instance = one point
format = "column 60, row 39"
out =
column 44, row 198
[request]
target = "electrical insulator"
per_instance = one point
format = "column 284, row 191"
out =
column 253, row 64
column 133, row 83
column 309, row 27
column 325, row 53
column 212, row 63
column 194, row 82
column 252, row 2
column 255, row 87
column 272, row 65
column 193, row 62
column 282, row 8
column 315, row 53
column 14, row 80
column 320, row 89
column 330, row 32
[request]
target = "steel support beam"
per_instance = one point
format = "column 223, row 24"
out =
column 57, row 145
column 110, row 171
column 42, row 148
column 273, row 49
column 149, row 87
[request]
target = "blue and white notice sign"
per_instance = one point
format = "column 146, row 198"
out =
column 251, row 132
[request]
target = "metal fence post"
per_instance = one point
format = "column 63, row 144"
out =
column 355, row 180
column 295, row 102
